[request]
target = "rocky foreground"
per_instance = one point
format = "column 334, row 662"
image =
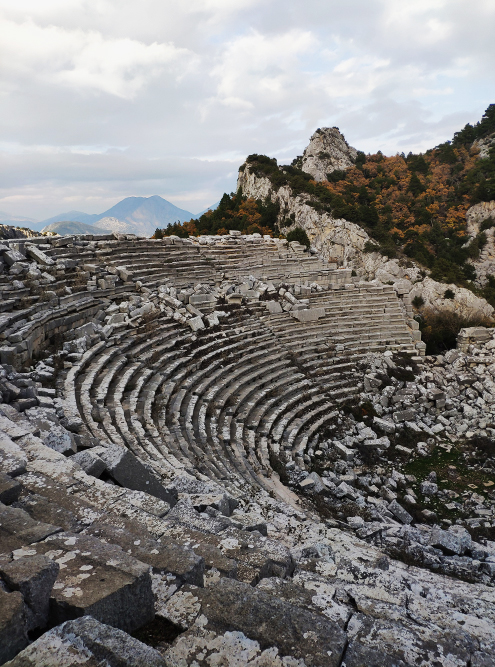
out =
column 248, row 467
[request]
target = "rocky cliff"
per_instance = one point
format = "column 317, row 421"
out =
column 348, row 243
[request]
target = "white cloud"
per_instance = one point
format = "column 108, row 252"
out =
column 84, row 60
column 107, row 98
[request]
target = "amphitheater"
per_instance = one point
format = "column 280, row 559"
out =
column 163, row 404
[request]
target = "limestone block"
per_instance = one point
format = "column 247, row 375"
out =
column 428, row 488
column 117, row 318
column 273, row 307
column 98, row 579
column 196, row 323
column 309, row 314
column 10, row 490
column 38, row 255
column 399, row 512
column 295, row 631
column 90, row 462
column 344, row 452
column 219, row 501
column 10, row 257
column 404, row 415
column 12, row 458
column 212, row 319
column 86, row 642
column 60, row 440
column 130, row 472
column 13, row 631
column 234, row 298
column 16, row 526
column 33, row 576
column 200, row 300
column 384, row 425
column 449, row 543
column 164, row 556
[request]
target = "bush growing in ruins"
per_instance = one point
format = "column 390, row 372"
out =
column 418, row 302
column 439, row 329
column 298, row 234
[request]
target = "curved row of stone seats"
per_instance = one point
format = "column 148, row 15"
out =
column 146, row 260
column 354, row 320
column 189, row 408
column 104, row 385
column 26, row 332
column 214, row 401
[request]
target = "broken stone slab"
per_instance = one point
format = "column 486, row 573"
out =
column 308, row 314
column 219, row 501
column 129, row 471
column 10, row 490
column 90, row 462
column 449, row 542
column 404, row 415
column 97, row 579
column 306, row 592
column 383, row 642
column 212, row 319
column 250, row 522
column 294, row 631
column 344, row 452
column 18, row 528
column 256, row 556
column 318, row 485
column 182, row 608
column 123, row 273
column 13, row 631
column 10, row 257
column 47, row 500
column 428, row 488
column 399, row 512
column 12, row 459
column 87, row 642
column 38, row 255
column 33, row 577
column 184, row 512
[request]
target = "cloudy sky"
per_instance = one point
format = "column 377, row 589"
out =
column 102, row 99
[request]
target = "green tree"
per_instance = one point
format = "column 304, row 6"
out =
column 299, row 234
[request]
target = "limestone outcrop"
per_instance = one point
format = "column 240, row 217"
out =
column 327, row 151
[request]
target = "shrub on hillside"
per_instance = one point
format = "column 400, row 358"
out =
column 299, row 235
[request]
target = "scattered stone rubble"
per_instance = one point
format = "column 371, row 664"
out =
column 187, row 475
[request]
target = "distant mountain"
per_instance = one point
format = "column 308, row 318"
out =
column 17, row 220
column 67, row 227
column 70, row 216
column 141, row 215
column 145, row 214
column 210, row 208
